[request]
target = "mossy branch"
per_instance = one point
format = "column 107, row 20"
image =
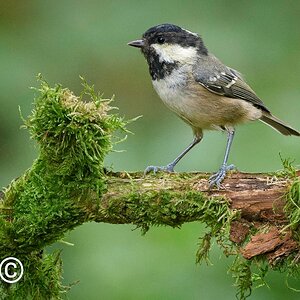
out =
column 255, row 217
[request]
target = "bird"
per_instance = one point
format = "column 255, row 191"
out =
column 205, row 93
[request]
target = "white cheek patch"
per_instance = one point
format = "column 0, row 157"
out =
column 171, row 53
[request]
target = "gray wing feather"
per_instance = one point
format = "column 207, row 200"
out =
column 229, row 83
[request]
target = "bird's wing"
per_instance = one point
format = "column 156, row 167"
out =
column 229, row 83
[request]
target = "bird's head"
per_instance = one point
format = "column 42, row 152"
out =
column 170, row 44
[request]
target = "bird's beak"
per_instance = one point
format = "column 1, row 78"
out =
column 137, row 43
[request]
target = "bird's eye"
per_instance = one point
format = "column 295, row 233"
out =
column 160, row 40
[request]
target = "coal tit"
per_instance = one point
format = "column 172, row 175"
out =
column 200, row 89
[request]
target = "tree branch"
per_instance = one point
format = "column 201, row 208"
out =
column 253, row 216
column 260, row 199
column 259, row 196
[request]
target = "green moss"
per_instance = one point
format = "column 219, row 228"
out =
column 41, row 279
column 74, row 134
column 292, row 207
column 242, row 274
column 288, row 170
column 153, row 208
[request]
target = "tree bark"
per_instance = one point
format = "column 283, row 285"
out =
column 259, row 197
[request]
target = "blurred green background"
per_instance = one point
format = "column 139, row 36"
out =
column 65, row 39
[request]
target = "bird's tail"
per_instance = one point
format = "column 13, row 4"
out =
column 278, row 125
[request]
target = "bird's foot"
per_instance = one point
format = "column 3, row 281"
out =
column 217, row 178
column 168, row 168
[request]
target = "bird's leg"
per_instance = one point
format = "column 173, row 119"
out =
column 218, row 177
column 170, row 167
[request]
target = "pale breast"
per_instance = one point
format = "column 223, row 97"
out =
column 172, row 90
column 199, row 107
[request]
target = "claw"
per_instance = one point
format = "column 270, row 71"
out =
column 218, row 177
column 168, row 168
